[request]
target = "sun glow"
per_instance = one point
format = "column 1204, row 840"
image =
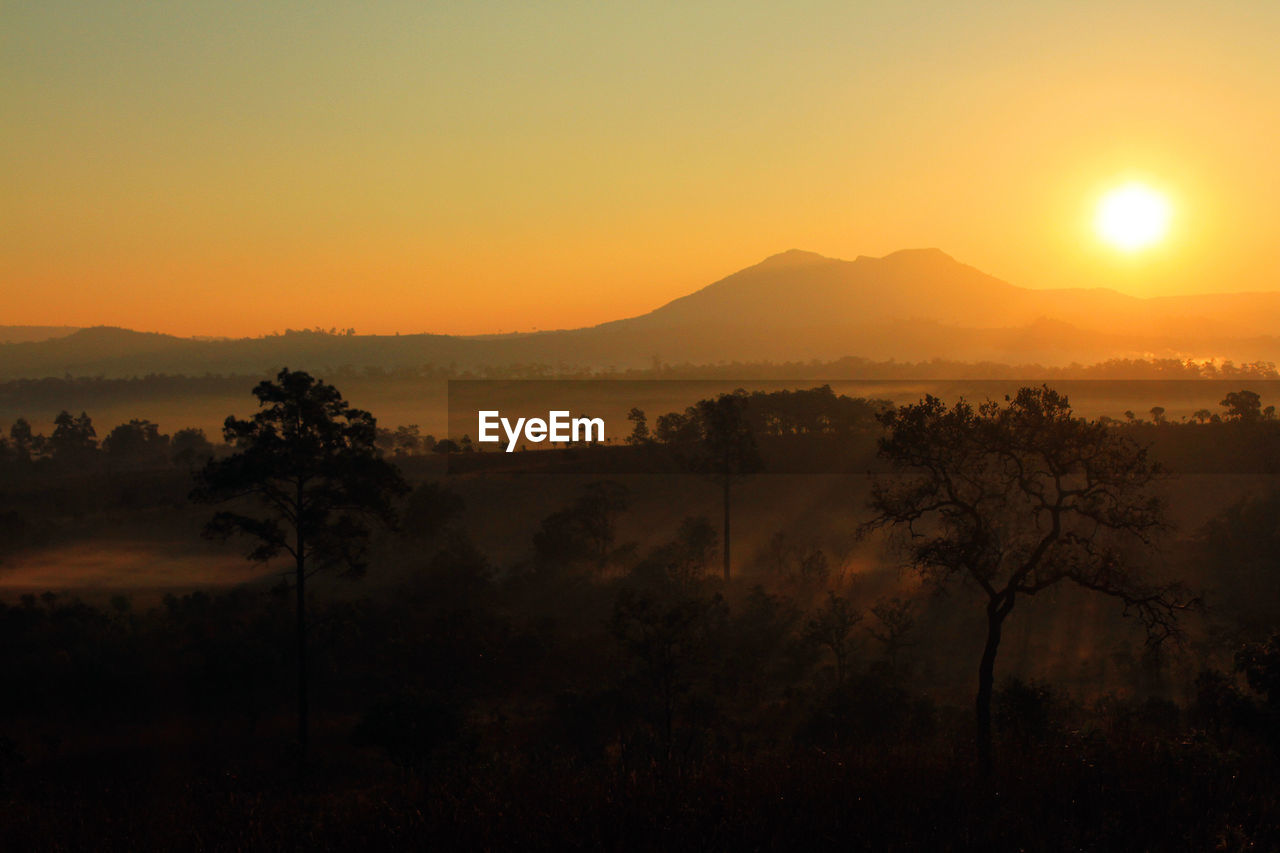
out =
column 1133, row 217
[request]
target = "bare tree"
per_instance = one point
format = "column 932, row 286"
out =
column 832, row 627
column 1015, row 499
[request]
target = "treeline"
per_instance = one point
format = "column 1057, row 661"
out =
column 1243, row 406
column 818, row 411
column 139, row 444
column 74, row 445
column 821, row 412
column 813, row 411
column 51, row 392
column 55, row 389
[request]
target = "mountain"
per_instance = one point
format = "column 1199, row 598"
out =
column 20, row 334
column 922, row 304
column 912, row 305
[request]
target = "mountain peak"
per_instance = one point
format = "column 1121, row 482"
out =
column 793, row 258
column 929, row 256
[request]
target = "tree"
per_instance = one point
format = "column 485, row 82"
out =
column 1244, row 406
column 26, row 444
column 74, row 439
column 727, row 450
column 796, row 563
column 1015, row 499
column 714, row 437
column 306, row 461
column 138, row 441
column 640, row 427
column 831, row 627
column 407, row 440
column 682, row 563
column 895, row 622
column 669, row 638
column 190, row 447
column 586, row 530
column 677, row 429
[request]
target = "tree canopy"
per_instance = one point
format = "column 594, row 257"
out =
column 307, row 459
column 1016, row 498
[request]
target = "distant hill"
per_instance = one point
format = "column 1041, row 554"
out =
column 911, row 305
column 22, row 334
column 923, row 304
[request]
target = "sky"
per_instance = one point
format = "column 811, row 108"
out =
column 242, row 168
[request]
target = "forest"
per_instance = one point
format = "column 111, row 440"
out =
column 768, row 619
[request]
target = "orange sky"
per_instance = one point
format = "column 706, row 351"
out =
column 231, row 169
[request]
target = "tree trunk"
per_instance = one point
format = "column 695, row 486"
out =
column 986, row 682
column 726, row 529
column 302, row 654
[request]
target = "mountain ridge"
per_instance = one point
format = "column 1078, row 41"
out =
column 796, row 305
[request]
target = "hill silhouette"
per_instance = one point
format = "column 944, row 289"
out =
column 911, row 305
column 923, row 304
column 20, row 334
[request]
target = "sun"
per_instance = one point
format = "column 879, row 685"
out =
column 1133, row 217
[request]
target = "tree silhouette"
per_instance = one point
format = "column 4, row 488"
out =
column 307, row 462
column 714, row 437
column 138, row 441
column 798, row 564
column 1018, row 498
column 895, row 622
column 586, row 530
column 640, row 427
column 669, row 638
column 1243, row 406
column 189, row 447
column 831, row 627
column 727, row 450
column 74, row 440
column 26, row 443
column 446, row 445
column 682, row 563
column 407, row 440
